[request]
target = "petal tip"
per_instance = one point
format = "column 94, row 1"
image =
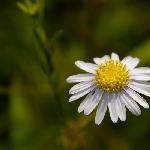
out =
column 77, row 62
column 113, row 53
column 97, row 122
column 67, row 80
column 86, row 113
column 114, row 121
column 79, row 110
column 70, row 99
column 123, row 120
column 146, row 106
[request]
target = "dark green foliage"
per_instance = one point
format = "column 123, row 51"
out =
column 39, row 42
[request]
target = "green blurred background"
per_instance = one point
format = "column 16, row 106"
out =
column 39, row 42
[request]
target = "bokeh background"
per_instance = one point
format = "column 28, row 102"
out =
column 39, row 43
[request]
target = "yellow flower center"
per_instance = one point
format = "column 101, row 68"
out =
column 112, row 76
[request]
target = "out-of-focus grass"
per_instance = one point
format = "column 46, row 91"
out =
column 36, row 57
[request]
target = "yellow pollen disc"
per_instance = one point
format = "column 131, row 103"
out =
column 112, row 76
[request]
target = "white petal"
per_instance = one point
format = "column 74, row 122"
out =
column 132, row 63
column 101, row 60
column 140, row 77
column 97, row 60
column 137, row 97
column 84, row 102
column 140, row 70
column 144, row 83
column 88, row 67
column 102, row 107
column 81, row 94
column 140, row 88
column 112, row 108
column 115, row 57
column 105, row 58
column 80, row 77
column 120, row 108
column 126, row 59
column 130, row 104
column 94, row 102
column 81, row 86
column 141, row 83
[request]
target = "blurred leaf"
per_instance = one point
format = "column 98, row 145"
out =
column 55, row 37
column 20, row 115
column 72, row 137
column 28, row 7
column 22, row 7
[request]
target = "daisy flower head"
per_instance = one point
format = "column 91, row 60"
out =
column 111, row 83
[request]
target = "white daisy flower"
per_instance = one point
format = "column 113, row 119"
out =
column 111, row 82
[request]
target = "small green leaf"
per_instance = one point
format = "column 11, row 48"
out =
column 22, row 7
column 55, row 37
column 28, row 7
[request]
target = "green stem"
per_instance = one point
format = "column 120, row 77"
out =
column 49, row 68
